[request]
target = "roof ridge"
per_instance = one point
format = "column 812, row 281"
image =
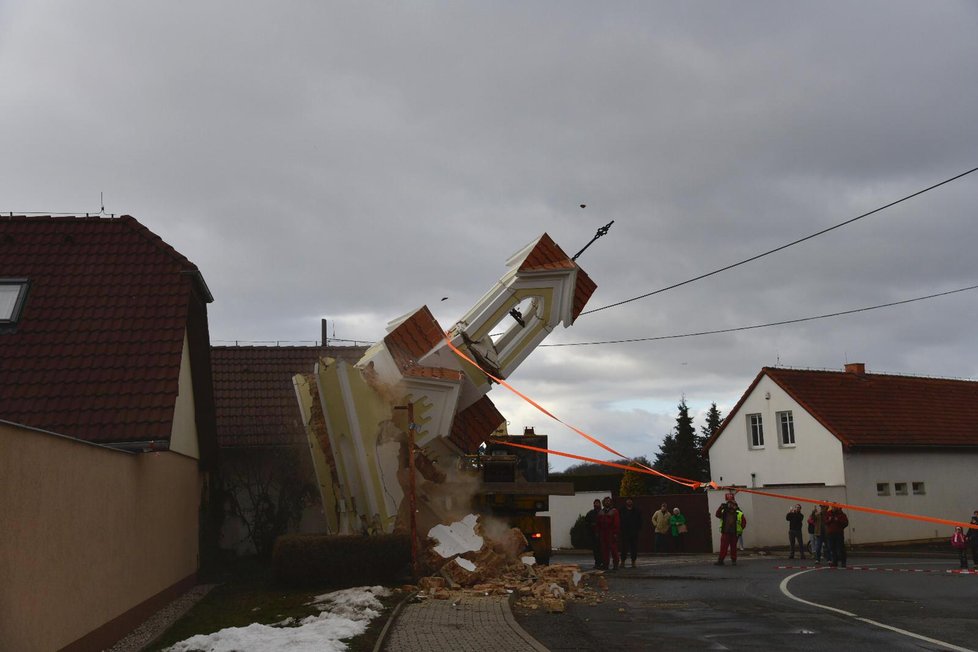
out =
column 874, row 373
column 151, row 236
column 128, row 220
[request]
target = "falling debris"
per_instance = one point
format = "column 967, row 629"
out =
column 393, row 437
column 496, row 568
column 456, row 538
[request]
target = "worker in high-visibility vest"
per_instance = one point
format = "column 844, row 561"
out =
column 732, row 524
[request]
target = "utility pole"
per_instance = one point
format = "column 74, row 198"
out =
column 412, row 494
column 412, row 499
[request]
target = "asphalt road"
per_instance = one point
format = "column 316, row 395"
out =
column 764, row 604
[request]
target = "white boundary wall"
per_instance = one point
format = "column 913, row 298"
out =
column 563, row 513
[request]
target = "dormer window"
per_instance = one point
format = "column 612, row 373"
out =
column 13, row 291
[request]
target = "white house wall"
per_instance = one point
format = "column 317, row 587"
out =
column 563, row 513
column 948, row 492
column 816, row 456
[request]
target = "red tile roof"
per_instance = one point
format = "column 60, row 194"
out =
column 253, row 392
column 582, row 292
column 411, row 339
column 474, row 424
column 547, row 255
column 96, row 353
column 871, row 410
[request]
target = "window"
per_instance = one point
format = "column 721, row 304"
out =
column 918, row 488
column 900, row 488
column 756, row 428
column 786, row 428
column 882, row 488
column 13, row 291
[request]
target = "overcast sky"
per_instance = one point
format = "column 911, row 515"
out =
column 355, row 161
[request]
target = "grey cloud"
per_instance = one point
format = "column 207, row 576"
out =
column 357, row 161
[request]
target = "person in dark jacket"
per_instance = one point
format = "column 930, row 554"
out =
column 591, row 518
column 972, row 536
column 836, row 522
column 818, row 517
column 795, row 518
column 631, row 524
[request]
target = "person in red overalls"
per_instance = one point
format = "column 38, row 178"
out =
column 609, row 525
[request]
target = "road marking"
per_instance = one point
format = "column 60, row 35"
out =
column 789, row 594
column 945, row 571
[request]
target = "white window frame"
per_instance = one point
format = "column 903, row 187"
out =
column 783, row 430
column 12, row 303
column 755, row 431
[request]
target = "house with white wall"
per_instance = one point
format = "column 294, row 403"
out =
column 898, row 443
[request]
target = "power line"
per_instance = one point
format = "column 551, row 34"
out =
column 785, row 246
column 288, row 343
column 776, row 323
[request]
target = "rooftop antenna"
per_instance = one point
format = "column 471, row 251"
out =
column 101, row 199
column 602, row 231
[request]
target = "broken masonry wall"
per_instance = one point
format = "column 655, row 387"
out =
column 363, row 471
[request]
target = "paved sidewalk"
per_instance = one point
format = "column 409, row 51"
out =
column 468, row 624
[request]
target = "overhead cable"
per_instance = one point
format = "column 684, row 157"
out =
column 775, row 323
column 784, row 246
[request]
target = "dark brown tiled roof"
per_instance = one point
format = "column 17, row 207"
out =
column 863, row 409
column 253, row 392
column 474, row 424
column 96, row 354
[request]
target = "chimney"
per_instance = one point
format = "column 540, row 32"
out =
column 855, row 368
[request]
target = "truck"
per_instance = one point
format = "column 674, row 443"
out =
column 515, row 488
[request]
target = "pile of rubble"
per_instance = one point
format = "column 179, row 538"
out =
column 463, row 559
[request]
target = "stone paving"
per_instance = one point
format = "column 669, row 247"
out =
column 467, row 624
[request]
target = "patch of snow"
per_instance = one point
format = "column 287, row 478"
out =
column 344, row 614
column 529, row 560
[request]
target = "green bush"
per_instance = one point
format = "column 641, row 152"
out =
column 341, row 561
column 582, row 537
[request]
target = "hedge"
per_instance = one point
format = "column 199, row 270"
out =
column 341, row 561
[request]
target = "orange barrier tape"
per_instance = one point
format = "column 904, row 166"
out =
column 768, row 494
column 529, row 400
column 642, row 468
column 856, row 508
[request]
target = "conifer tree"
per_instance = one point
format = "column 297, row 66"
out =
column 713, row 421
column 636, row 483
column 680, row 454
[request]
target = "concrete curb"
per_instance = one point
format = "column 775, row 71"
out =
column 522, row 633
column 382, row 637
